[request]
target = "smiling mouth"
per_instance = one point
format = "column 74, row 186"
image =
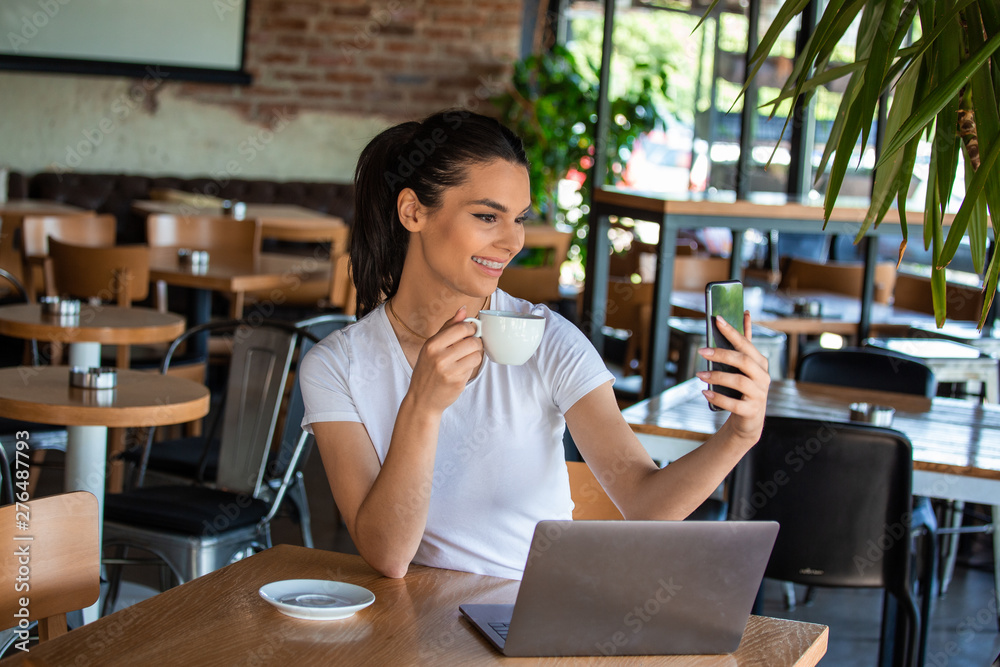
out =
column 487, row 263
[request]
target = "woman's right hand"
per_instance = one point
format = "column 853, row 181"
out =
column 445, row 363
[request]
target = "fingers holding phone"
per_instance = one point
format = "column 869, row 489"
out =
column 737, row 371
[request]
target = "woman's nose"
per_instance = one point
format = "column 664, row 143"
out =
column 512, row 238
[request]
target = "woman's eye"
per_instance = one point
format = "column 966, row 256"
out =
column 486, row 217
column 521, row 219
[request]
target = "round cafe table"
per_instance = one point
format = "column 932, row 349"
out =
column 43, row 394
column 110, row 325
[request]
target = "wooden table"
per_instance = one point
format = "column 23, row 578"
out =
column 956, row 443
column 96, row 325
column 12, row 214
column 987, row 340
column 236, row 275
column 951, row 361
column 43, row 394
column 221, row 619
column 110, row 325
column 283, row 222
column 673, row 215
column 233, row 276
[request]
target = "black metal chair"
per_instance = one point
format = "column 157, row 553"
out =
column 875, row 368
column 196, row 458
column 869, row 368
column 194, row 529
column 842, row 495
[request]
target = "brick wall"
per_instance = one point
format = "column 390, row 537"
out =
column 391, row 58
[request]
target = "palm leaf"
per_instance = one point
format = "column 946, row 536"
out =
column 938, row 97
column 887, row 182
column 966, row 211
column 990, row 289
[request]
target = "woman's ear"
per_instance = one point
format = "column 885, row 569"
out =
column 409, row 209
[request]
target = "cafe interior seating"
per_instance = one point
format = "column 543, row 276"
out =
column 65, row 570
column 964, row 302
column 118, row 274
column 82, row 230
column 540, row 283
column 241, row 237
column 868, row 368
column 590, row 501
column 840, row 277
column 836, row 490
column 12, row 353
column 238, row 238
column 630, row 306
column 195, row 459
column 193, row 530
column 106, row 192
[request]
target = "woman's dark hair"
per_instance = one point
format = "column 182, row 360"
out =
column 427, row 157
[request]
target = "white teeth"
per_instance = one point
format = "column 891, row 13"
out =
column 487, row 263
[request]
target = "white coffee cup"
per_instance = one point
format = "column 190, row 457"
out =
column 509, row 338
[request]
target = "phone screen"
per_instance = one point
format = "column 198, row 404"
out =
column 723, row 299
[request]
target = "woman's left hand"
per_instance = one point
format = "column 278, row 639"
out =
column 747, row 418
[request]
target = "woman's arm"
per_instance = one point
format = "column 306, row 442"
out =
column 625, row 469
column 385, row 507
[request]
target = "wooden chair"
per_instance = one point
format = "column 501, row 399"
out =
column 9, row 254
column 82, row 230
column 218, row 234
column 539, row 284
column 635, row 260
column 343, row 293
column 591, row 502
column 964, row 302
column 204, row 232
column 630, row 307
column 63, row 555
column 118, row 274
column 840, row 277
column 693, row 272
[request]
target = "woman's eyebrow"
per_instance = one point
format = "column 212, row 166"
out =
column 494, row 205
column 489, row 203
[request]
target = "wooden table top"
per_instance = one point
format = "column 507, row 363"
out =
column 221, row 619
column 227, row 273
column 661, row 204
column 948, row 435
column 43, row 394
column 111, row 325
column 24, row 207
column 285, row 222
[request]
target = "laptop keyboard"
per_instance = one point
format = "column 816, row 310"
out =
column 501, row 629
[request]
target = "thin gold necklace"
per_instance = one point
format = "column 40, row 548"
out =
column 421, row 337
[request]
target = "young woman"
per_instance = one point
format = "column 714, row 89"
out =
column 435, row 454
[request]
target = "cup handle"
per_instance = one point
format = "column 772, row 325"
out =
column 479, row 326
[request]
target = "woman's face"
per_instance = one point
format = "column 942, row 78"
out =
column 466, row 242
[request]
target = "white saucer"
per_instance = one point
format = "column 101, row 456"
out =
column 316, row 599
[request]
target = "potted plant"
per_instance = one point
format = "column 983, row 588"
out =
column 935, row 62
column 551, row 102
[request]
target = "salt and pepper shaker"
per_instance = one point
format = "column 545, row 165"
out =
column 234, row 209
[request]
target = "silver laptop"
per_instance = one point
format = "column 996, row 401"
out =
column 632, row 588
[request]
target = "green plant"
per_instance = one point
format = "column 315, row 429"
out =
column 936, row 60
column 551, row 102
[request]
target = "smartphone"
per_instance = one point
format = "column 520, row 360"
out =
column 723, row 299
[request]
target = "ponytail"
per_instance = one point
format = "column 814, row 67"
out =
column 427, row 157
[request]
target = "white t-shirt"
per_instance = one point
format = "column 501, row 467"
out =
column 500, row 464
